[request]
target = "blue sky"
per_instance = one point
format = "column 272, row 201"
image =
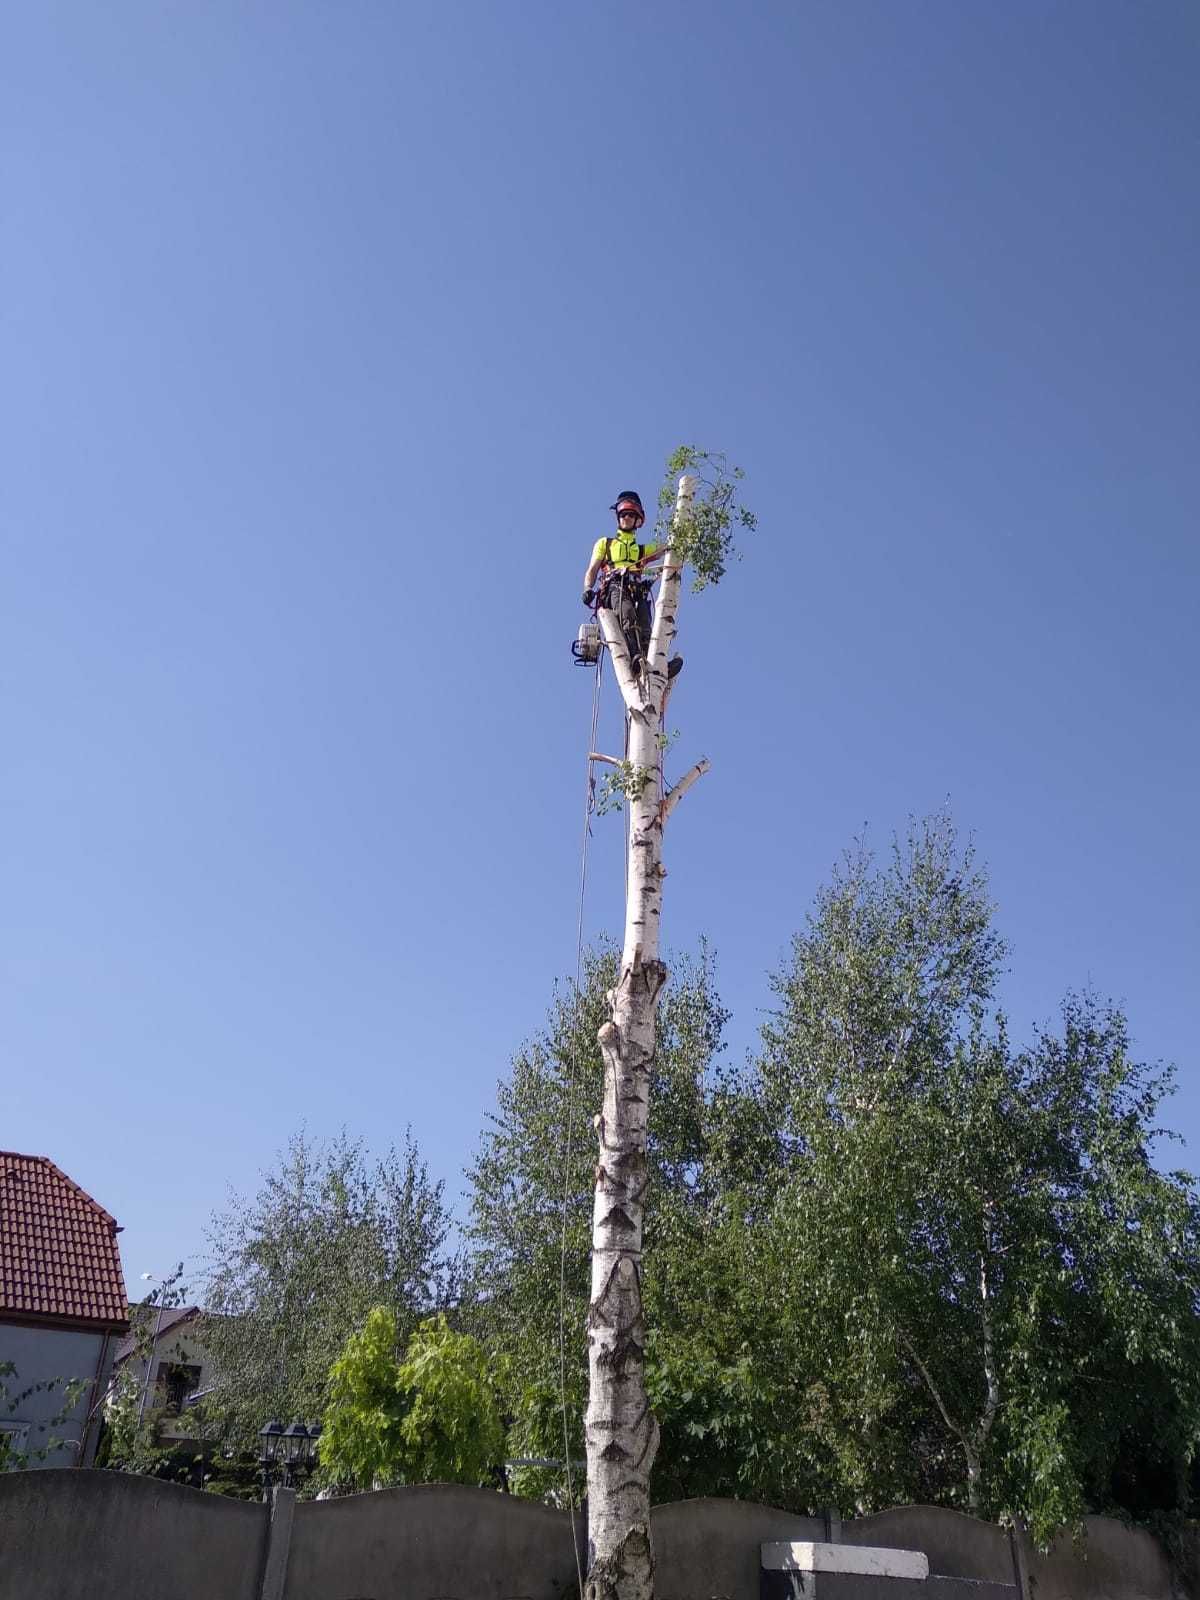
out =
column 329, row 333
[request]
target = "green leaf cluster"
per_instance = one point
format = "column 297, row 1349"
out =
column 625, row 781
column 705, row 536
column 432, row 1418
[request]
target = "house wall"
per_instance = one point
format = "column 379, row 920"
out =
column 42, row 1355
column 176, row 1345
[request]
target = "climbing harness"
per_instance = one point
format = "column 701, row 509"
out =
column 633, row 581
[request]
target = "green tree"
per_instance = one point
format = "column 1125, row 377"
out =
column 986, row 1290
column 707, row 1143
column 361, row 1442
column 296, row 1270
column 432, row 1418
column 453, row 1428
column 133, row 1413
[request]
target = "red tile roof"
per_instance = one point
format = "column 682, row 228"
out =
column 58, row 1248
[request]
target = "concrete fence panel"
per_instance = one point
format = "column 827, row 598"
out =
column 709, row 1549
column 958, row 1546
column 431, row 1542
column 67, row 1534
column 1109, row 1562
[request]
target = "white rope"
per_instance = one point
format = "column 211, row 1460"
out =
column 588, row 807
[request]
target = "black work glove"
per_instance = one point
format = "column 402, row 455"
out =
column 589, row 598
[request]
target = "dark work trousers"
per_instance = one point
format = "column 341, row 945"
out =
column 629, row 597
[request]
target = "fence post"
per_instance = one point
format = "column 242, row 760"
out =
column 1016, row 1540
column 279, row 1537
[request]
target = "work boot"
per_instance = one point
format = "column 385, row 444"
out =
column 674, row 667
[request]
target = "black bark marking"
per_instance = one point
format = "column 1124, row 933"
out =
column 626, row 1351
column 594, row 1308
column 650, row 1448
column 618, row 1217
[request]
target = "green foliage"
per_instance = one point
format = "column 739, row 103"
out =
column 704, row 537
column 132, row 1414
column 453, row 1430
column 625, row 781
column 297, row 1270
column 902, row 1260
column 1029, row 1317
column 705, row 1139
column 131, row 1442
column 361, row 1441
column 433, row 1418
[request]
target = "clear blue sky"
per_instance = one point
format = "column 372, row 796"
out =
column 329, row 333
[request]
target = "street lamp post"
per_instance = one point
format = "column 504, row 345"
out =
column 287, row 1454
column 270, row 1435
column 149, row 1277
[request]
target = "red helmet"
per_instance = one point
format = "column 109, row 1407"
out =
column 629, row 500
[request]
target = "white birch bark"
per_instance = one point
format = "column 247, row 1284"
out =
column 620, row 1430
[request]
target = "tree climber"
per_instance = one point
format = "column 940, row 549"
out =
column 624, row 588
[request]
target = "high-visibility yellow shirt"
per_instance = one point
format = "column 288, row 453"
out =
column 621, row 552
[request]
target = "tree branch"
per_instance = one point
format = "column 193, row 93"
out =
column 663, row 630
column 933, row 1388
column 619, row 651
column 677, row 792
column 613, row 761
column 989, row 1355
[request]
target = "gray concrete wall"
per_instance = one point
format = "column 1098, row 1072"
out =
column 1110, row 1562
column 432, row 1540
column 708, row 1549
column 70, row 1535
column 42, row 1355
column 958, row 1546
column 67, row 1535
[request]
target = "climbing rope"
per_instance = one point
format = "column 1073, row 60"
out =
column 589, row 805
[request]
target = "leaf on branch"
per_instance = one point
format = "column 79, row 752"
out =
column 627, row 781
column 703, row 535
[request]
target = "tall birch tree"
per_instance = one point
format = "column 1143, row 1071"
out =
column 697, row 519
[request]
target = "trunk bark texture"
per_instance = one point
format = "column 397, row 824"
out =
column 620, row 1430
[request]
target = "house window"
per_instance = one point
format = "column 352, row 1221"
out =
column 176, row 1380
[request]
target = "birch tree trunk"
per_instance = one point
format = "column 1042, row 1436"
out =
column 620, row 1430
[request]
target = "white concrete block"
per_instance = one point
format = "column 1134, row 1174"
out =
column 866, row 1561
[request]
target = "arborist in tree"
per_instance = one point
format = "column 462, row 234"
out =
column 624, row 587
